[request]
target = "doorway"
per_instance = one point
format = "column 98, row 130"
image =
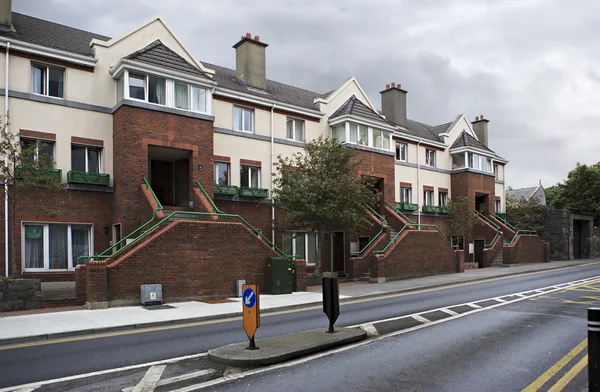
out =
column 479, row 246
column 577, row 239
column 481, row 201
column 337, row 252
column 169, row 172
column 116, row 235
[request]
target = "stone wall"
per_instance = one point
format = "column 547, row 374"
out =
column 20, row 294
column 595, row 243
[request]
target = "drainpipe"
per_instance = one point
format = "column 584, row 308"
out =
column 272, row 199
column 418, row 187
column 6, row 160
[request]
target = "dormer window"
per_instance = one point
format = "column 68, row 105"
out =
column 137, row 87
column 362, row 134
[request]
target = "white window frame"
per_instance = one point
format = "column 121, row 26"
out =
column 100, row 157
column 228, row 171
column 442, row 195
column 244, row 108
column 250, row 168
column 498, row 206
column 46, row 228
column 431, row 198
column 305, row 233
column 371, row 140
column 294, row 130
column 496, row 171
column 37, row 145
column 47, row 67
column 430, row 157
column 188, row 93
column 404, row 192
column 399, row 147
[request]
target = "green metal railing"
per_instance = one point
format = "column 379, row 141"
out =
column 522, row 232
column 488, row 220
column 393, row 240
column 397, row 211
column 383, row 223
column 503, row 220
column 431, row 209
column 228, row 190
column 245, row 191
column 20, row 169
column 400, row 205
column 80, row 177
column 137, row 234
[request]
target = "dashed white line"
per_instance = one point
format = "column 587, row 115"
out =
column 471, row 304
column 183, row 377
column 370, row 330
column 421, row 319
column 150, row 379
column 500, row 300
column 449, row 311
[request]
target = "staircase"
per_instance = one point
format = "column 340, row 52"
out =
column 393, row 233
column 499, row 259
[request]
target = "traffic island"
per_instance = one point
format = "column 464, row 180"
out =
column 283, row 348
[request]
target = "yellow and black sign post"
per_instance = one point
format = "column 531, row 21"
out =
column 251, row 312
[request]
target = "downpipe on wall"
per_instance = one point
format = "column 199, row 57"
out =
column 6, row 162
column 271, row 181
column 418, row 187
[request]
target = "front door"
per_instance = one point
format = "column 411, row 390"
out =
column 577, row 234
column 337, row 252
column 478, row 255
column 161, row 181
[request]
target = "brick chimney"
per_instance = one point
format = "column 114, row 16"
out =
column 6, row 15
column 250, row 61
column 480, row 127
column 393, row 104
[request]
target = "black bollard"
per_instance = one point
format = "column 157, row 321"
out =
column 331, row 301
column 594, row 349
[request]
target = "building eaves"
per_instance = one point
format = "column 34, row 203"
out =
column 355, row 107
column 466, row 140
column 51, row 35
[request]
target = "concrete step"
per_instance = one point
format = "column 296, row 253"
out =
column 499, row 259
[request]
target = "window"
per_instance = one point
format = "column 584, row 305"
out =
column 496, row 171
column 458, row 240
column 386, row 140
column 302, row 244
column 295, row 129
column 405, row 194
column 54, row 246
column 243, row 119
column 480, row 162
column 250, row 176
column 428, row 197
column 401, row 151
column 443, row 196
column 85, row 159
column 198, row 99
column 182, row 96
column 46, row 80
column 377, row 138
column 498, row 206
column 137, row 86
column 430, row 157
column 221, row 173
column 339, row 132
column 43, row 149
column 156, row 90
column 353, row 133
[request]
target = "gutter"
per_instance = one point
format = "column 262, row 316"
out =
column 26, row 47
column 6, row 162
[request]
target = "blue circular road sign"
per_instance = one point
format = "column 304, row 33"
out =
column 249, row 298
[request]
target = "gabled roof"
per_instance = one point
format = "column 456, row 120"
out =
column 159, row 55
column 466, row 140
column 354, row 106
column 51, row 35
column 527, row 193
column 422, row 131
column 276, row 91
column 438, row 129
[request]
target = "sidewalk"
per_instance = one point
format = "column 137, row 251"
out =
column 46, row 325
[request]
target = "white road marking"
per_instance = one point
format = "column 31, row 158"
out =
column 370, row 330
column 500, row 300
column 449, row 311
column 421, row 319
column 101, row 372
column 183, row 377
column 471, row 304
column 27, row 389
column 148, row 383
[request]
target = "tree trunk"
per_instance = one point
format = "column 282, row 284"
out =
column 13, row 255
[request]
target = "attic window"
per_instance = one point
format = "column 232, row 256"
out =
column 137, row 87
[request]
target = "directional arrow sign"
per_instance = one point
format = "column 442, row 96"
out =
column 250, row 309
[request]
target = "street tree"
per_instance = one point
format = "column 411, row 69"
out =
column 525, row 214
column 581, row 191
column 26, row 168
column 318, row 189
column 461, row 216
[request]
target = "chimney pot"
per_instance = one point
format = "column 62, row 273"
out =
column 393, row 84
column 387, row 86
column 256, row 38
column 248, row 35
column 476, row 118
column 481, row 116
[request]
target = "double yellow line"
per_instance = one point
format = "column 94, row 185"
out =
column 557, row 367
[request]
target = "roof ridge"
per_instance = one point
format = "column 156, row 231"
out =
column 63, row 25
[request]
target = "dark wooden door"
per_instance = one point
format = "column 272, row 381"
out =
column 478, row 255
column 337, row 244
column 161, row 181
column 577, row 234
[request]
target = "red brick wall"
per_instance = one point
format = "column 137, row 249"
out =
column 469, row 183
column 380, row 166
column 134, row 130
column 72, row 207
column 440, row 221
column 490, row 253
column 191, row 259
column 526, row 249
column 508, row 232
column 257, row 214
column 416, row 253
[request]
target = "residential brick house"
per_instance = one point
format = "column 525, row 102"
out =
column 142, row 131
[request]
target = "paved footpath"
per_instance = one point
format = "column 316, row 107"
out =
column 46, row 325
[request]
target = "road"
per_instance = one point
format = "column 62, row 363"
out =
column 501, row 334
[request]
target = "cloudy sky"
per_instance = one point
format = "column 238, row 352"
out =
column 532, row 67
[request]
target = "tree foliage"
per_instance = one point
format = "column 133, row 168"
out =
column 554, row 196
column 30, row 178
column 461, row 216
column 320, row 190
column 525, row 214
column 581, row 191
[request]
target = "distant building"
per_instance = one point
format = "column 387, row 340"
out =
column 528, row 193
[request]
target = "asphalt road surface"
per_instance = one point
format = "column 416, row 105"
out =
column 496, row 349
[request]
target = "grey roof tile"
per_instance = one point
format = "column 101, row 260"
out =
column 466, row 140
column 421, row 130
column 159, row 55
column 440, row 128
column 527, row 193
column 51, row 35
column 276, row 91
column 354, row 106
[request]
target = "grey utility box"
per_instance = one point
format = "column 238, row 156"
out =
column 239, row 284
column 151, row 294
